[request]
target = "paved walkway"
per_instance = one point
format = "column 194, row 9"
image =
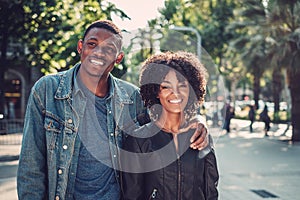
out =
column 10, row 146
column 251, row 166
column 255, row 167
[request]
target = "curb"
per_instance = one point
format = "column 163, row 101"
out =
column 8, row 158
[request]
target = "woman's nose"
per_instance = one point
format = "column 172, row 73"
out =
column 175, row 91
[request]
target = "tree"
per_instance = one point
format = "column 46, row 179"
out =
column 49, row 30
column 11, row 29
column 54, row 27
column 276, row 46
column 143, row 43
column 210, row 19
column 284, row 22
column 234, row 70
column 250, row 41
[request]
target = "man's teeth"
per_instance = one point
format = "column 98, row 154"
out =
column 176, row 101
column 97, row 62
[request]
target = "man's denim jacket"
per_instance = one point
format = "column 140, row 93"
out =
column 50, row 146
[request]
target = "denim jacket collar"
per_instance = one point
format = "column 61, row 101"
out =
column 65, row 87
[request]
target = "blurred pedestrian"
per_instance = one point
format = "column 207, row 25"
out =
column 229, row 114
column 266, row 119
column 251, row 116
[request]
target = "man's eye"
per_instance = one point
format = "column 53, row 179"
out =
column 109, row 50
column 183, row 85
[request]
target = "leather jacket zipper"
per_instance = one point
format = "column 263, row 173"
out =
column 179, row 177
column 154, row 193
column 176, row 144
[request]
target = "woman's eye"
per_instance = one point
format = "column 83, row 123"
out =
column 165, row 87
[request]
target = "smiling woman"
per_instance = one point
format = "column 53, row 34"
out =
column 155, row 79
column 173, row 96
column 160, row 165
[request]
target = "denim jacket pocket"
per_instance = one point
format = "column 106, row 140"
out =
column 53, row 129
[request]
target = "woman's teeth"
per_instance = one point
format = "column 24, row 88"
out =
column 176, row 101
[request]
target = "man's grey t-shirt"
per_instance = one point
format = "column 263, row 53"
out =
column 95, row 178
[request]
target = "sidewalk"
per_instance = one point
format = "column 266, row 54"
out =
column 10, row 146
column 240, row 128
column 255, row 167
column 10, row 152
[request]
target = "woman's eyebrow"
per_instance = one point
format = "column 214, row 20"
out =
column 166, row 82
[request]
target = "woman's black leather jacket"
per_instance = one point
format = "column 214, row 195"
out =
column 164, row 172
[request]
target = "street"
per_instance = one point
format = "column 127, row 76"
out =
column 251, row 166
column 8, row 171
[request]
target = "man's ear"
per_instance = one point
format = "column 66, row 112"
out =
column 79, row 46
column 120, row 58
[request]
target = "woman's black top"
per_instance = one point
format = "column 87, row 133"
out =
column 154, row 169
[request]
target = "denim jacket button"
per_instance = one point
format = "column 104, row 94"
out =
column 65, row 147
column 60, row 171
column 70, row 121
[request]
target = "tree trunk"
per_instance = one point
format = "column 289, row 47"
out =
column 295, row 111
column 233, row 91
column 256, row 89
column 277, row 88
column 3, row 46
column 293, row 79
column 1, row 88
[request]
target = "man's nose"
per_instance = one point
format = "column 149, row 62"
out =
column 99, row 50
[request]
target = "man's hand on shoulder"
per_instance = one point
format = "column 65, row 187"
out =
column 199, row 140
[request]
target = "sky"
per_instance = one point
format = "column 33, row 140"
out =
column 138, row 10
